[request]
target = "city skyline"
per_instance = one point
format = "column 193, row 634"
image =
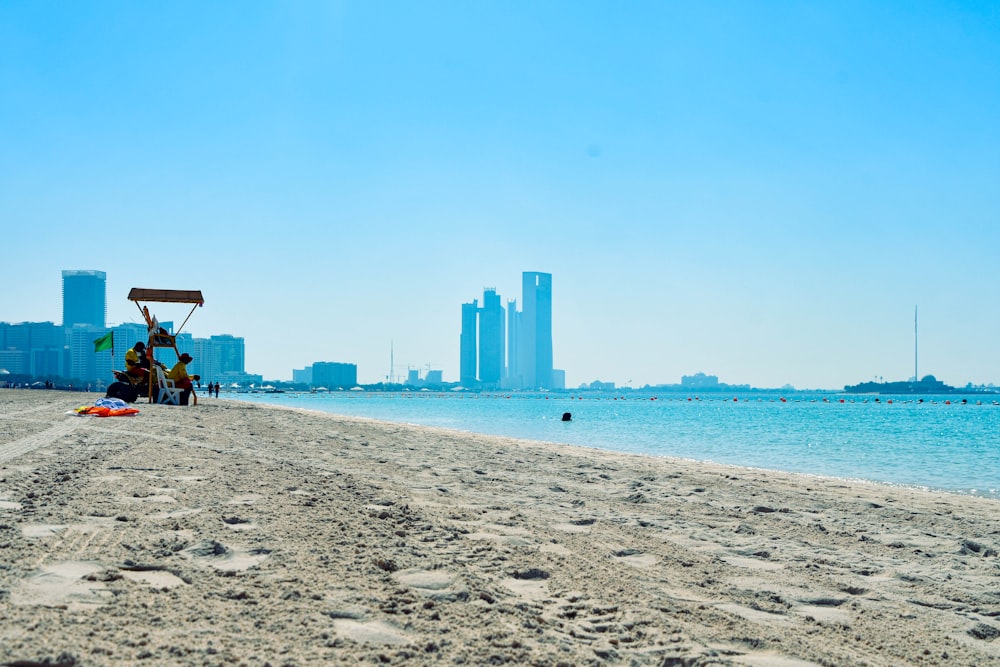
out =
column 488, row 359
column 69, row 351
column 762, row 193
column 510, row 348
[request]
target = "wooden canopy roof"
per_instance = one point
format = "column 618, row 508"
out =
column 166, row 295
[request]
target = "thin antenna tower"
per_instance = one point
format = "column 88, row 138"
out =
column 916, row 376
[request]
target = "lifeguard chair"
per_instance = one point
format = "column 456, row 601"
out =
column 158, row 337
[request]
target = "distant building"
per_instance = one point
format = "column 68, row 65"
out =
column 18, row 336
column 558, row 379
column 512, row 376
column 525, row 336
column 333, row 375
column 234, row 380
column 467, row 343
column 700, row 381
column 15, row 362
column 597, row 385
column 185, row 343
column 434, row 377
column 219, row 355
column 85, row 299
column 303, row 376
column 535, row 365
column 85, row 365
column 491, row 339
column 35, row 348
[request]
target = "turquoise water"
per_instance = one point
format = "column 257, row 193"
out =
column 946, row 446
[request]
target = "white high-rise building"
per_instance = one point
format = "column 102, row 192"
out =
column 536, row 331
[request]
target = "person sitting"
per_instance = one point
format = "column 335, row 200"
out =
column 136, row 361
column 181, row 378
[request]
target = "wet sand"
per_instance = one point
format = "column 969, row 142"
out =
column 229, row 533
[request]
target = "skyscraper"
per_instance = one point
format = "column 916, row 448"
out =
column 467, row 344
column 536, row 330
column 512, row 378
column 491, row 339
column 526, row 336
column 84, row 298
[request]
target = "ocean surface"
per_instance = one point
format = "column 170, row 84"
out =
column 938, row 443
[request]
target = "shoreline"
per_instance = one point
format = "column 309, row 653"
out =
column 233, row 532
column 903, row 461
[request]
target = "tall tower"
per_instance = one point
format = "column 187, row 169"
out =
column 536, row 330
column 491, row 338
column 513, row 375
column 467, row 344
column 84, row 298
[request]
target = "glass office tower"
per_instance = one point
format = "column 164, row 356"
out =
column 84, row 298
column 491, row 339
column 536, row 330
column 467, row 344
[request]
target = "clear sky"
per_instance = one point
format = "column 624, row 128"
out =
column 757, row 190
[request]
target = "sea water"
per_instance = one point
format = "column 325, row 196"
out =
column 937, row 442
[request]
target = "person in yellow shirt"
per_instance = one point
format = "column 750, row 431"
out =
column 179, row 375
column 136, row 361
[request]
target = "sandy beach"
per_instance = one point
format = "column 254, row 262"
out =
column 228, row 533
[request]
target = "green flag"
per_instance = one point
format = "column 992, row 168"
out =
column 105, row 342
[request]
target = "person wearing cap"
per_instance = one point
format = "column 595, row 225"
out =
column 136, row 361
column 180, row 376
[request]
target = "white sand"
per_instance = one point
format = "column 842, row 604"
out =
column 229, row 533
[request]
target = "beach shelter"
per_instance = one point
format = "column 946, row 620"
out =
column 159, row 337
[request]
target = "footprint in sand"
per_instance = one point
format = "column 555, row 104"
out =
column 575, row 526
column 529, row 584
column 238, row 524
column 369, row 632
column 555, row 548
column 63, row 585
column 176, row 514
column 636, row 558
column 244, row 500
column 755, row 615
column 155, row 498
column 825, row 611
column 38, row 530
column 439, row 585
column 508, row 535
column 95, row 525
column 770, row 659
column 751, row 560
column 225, row 559
column 152, row 576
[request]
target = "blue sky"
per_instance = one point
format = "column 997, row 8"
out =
column 761, row 191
